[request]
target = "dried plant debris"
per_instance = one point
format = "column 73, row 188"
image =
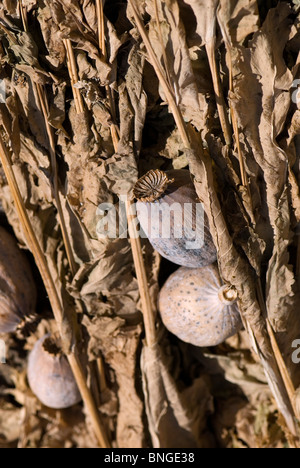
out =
column 84, row 112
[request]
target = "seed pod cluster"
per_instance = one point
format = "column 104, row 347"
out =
column 194, row 304
column 50, row 376
column 17, row 287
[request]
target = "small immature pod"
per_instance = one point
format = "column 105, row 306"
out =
column 50, row 376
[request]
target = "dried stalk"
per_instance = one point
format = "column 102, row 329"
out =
column 88, row 400
column 161, row 76
column 282, row 367
column 221, row 106
column 71, row 62
column 290, row 389
column 101, row 374
column 64, row 326
column 56, row 193
column 43, row 102
column 244, row 177
column 147, row 306
column 54, row 299
column 30, row 235
column 8, row 33
column 292, row 434
column 276, row 380
column 164, row 55
column 23, row 14
column 101, row 33
column 114, row 130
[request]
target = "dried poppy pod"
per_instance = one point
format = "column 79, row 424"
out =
column 17, row 287
column 173, row 219
column 197, row 308
column 50, row 376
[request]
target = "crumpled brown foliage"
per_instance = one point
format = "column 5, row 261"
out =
column 267, row 72
column 172, row 420
column 254, row 236
column 261, row 114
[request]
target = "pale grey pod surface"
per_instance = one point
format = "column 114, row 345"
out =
column 175, row 223
column 193, row 308
column 50, row 378
column 17, row 287
column 10, row 316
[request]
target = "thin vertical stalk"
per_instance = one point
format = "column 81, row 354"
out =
column 164, row 55
column 282, row 366
column 42, row 98
column 287, row 381
column 147, row 306
column 23, row 14
column 72, row 67
column 221, row 106
column 275, row 378
column 67, row 243
column 243, row 172
column 30, row 236
column 114, row 130
column 101, row 35
column 65, row 327
column 54, row 299
column 244, row 177
column 162, row 77
column 101, row 374
column 88, row 399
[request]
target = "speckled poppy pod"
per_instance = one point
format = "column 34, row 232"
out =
column 17, row 287
column 172, row 217
column 50, row 376
column 197, row 308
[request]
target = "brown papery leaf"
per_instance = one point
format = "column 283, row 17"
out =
column 262, row 113
column 240, row 16
column 205, row 13
column 167, row 36
column 172, row 423
column 87, row 93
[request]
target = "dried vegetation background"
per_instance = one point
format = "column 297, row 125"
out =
column 217, row 96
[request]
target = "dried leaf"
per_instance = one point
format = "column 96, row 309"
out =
column 172, row 423
column 241, row 18
column 262, row 113
column 254, row 230
column 192, row 104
